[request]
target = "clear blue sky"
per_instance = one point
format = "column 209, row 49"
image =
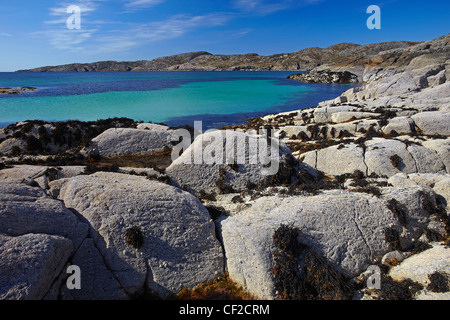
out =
column 34, row 33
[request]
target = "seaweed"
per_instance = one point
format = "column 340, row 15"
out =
column 369, row 189
column 33, row 145
column 302, row 274
column 237, row 199
column 392, row 237
column 15, row 151
column 314, row 131
column 396, row 161
column 420, row 246
column 433, row 235
column 220, row 184
column 90, row 169
column 439, row 282
column 202, row 195
column 399, row 210
column 215, row 212
column 134, row 237
column 398, row 290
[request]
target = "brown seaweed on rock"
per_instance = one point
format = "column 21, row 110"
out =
column 300, row 273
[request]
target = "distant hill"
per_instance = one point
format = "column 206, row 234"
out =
column 343, row 54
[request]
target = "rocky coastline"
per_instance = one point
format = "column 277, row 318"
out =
column 363, row 185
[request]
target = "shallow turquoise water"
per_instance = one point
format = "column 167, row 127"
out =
column 172, row 97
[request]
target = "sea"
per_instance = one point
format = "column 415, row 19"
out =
column 176, row 98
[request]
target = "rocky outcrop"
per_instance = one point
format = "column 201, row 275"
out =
column 153, row 237
column 54, row 138
column 16, row 90
column 325, row 76
column 127, row 141
column 349, row 229
column 232, row 161
column 136, row 236
column 38, row 237
column 40, row 258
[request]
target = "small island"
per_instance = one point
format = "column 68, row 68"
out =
column 16, row 90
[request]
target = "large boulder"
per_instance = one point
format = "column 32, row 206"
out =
column 439, row 182
column 126, row 141
column 388, row 157
column 153, row 237
column 351, row 230
column 9, row 146
column 233, row 161
column 442, row 148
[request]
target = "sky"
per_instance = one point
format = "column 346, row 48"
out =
column 37, row 33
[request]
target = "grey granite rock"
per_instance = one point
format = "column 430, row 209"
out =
column 25, row 210
column 433, row 123
column 97, row 282
column 338, row 160
column 30, row 263
column 125, row 141
column 348, row 228
column 419, row 266
column 173, row 244
column 388, row 157
column 232, row 162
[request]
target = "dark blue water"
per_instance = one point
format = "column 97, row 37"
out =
column 175, row 98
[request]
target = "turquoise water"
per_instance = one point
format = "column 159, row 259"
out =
column 175, row 98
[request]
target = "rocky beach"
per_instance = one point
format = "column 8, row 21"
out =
column 363, row 184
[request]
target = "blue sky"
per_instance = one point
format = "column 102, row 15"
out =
column 34, row 33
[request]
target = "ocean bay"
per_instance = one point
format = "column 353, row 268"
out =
column 176, row 98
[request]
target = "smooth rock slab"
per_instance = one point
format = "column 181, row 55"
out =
column 25, row 209
column 348, row 228
column 97, row 282
column 331, row 223
column 426, row 160
column 338, row 160
column 125, row 141
column 401, row 125
column 419, row 266
column 179, row 248
column 442, row 148
column 433, row 122
column 231, row 160
column 30, row 263
column 378, row 157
